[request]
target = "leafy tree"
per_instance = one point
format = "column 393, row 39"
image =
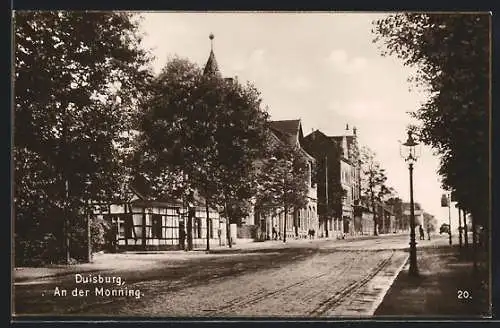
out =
column 451, row 55
column 174, row 139
column 282, row 181
column 77, row 77
column 240, row 138
column 396, row 204
column 200, row 134
column 430, row 222
column 373, row 182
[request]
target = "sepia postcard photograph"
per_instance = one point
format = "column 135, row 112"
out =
column 264, row 165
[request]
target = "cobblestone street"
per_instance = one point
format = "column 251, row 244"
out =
column 301, row 279
column 309, row 287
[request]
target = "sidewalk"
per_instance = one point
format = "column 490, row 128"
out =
column 446, row 286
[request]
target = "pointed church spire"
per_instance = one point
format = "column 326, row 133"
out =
column 211, row 68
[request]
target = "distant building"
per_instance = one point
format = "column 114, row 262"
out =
column 406, row 211
column 341, row 208
column 256, row 225
column 299, row 221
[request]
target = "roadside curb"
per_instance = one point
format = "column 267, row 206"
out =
column 386, row 288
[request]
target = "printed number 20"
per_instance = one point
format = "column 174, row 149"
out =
column 463, row 294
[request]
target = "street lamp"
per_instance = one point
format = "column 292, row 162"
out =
column 409, row 154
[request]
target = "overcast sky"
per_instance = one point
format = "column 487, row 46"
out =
column 320, row 67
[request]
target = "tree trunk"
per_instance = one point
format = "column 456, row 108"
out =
column 466, row 230
column 89, row 235
column 296, row 221
column 189, row 229
column 64, row 175
column 474, row 243
column 208, row 224
column 143, row 239
column 374, row 213
column 460, row 227
column 228, row 226
column 284, row 225
column 66, row 223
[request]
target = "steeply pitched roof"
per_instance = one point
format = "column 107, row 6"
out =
column 350, row 140
column 315, row 134
column 289, row 132
column 317, row 139
column 141, row 186
column 286, row 130
column 337, row 139
column 287, row 126
column 211, row 68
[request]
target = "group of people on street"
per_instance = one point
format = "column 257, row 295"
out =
column 421, row 231
column 276, row 235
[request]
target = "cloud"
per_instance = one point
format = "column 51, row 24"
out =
column 358, row 63
column 338, row 57
column 339, row 60
column 297, row 83
column 257, row 56
column 253, row 62
column 370, row 110
column 359, row 110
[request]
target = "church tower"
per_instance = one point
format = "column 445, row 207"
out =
column 211, row 67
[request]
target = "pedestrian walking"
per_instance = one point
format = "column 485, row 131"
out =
column 313, row 232
column 421, row 230
column 428, row 232
column 275, row 233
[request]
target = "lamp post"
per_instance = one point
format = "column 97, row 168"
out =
column 410, row 156
column 459, row 225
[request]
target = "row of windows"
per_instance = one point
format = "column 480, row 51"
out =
column 124, row 227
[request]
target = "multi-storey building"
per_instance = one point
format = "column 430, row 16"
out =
column 352, row 207
column 301, row 220
column 339, row 185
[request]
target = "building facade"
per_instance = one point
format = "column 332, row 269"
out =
column 352, row 209
column 339, row 187
column 328, row 180
column 298, row 221
column 144, row 223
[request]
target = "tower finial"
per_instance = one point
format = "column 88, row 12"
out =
column 211, row 37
